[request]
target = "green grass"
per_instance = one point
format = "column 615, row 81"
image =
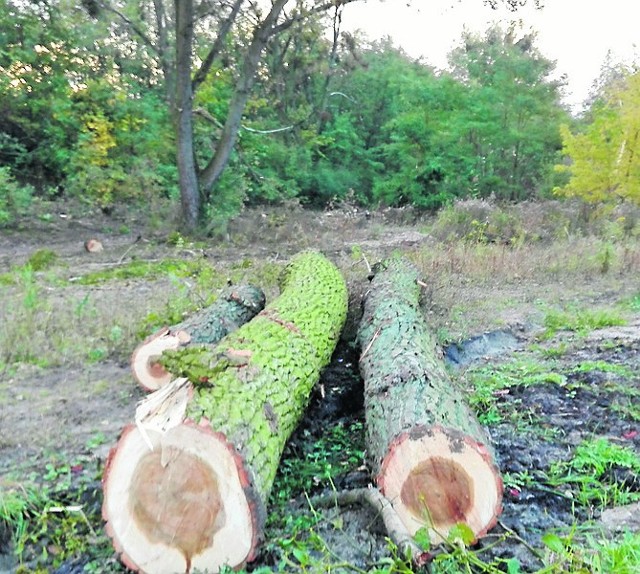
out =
column 339, row 451
column 622, row 371
column 633, row 303
column 590, row 474
column 488, row 383
column 580, row 321
column 148, row 270
column 55, row 517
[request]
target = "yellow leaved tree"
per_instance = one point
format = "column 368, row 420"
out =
column 604, row 159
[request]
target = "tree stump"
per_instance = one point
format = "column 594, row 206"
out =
column 233, row 308
column 432, row 458
column 185, row 488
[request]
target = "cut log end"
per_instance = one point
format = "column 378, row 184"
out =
column 437, row 478
column 144, row 362
column 181, row 506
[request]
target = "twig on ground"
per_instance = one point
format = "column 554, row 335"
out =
column 395, row 528
column 129, row 249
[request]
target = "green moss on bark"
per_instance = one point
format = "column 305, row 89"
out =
column 255, row 384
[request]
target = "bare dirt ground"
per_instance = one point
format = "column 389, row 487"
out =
column 73, row 410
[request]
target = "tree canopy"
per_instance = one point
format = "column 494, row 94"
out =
column 604, row 157
column 223, row 104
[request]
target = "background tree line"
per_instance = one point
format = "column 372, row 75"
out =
column 219, row 104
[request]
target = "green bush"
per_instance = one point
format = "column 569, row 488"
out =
column 14, row 198
column 479, row 221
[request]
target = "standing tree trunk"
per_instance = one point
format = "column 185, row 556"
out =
column 231, row 309
column 431, row 456
column 186, row 487
column 187, row 170
column 212, row 172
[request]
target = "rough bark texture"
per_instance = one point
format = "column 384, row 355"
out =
column 186, row 487
column 233, row 308
column 187, row 169
column 432, row 458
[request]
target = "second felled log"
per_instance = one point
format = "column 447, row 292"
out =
column 186, row 487
column 432, row 458
column 233, row 308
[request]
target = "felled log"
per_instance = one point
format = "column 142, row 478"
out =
column 185, row 488
column 432, row 459
column 233, row 308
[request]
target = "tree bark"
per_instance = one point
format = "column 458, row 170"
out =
column 233, row 308
column 187, row 169
column 185, row 488
column 432, row 458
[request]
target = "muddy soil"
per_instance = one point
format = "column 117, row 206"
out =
column 75, row 412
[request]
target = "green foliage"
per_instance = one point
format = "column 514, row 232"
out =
column 85, row 115
column 139, row 269
column 489, row 382
column 479, row 221
column 339, row 451
column 634, row 302
column 14, row 198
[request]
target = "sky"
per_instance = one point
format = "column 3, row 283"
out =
column 577, row 34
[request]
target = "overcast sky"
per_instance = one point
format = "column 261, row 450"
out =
column 577, row 34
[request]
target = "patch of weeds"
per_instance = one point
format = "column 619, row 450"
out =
column 553, row 352
column 266, row 274
column 569, row 553
column 629, row 406
column 96, row 440
column 621, row 371
column 634, row 302
column 27, row 313
column 619, row 556
column 310, row 466
column 306, row 466
column 179, row 306
column 55, row 518
column 42, row 259
column 489, row 384
column 580, row 321
column 562, row 553
column 457, row 556
column 605, row 257
column 600, row 474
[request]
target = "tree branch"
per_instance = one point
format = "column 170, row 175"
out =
column 393, row 525
column 147, row 41
column 212, row 171
column 315, row 10
column 216, row 47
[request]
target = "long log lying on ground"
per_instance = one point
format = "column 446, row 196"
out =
column 233, row 308
column 186, row 487
column 432, row 458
